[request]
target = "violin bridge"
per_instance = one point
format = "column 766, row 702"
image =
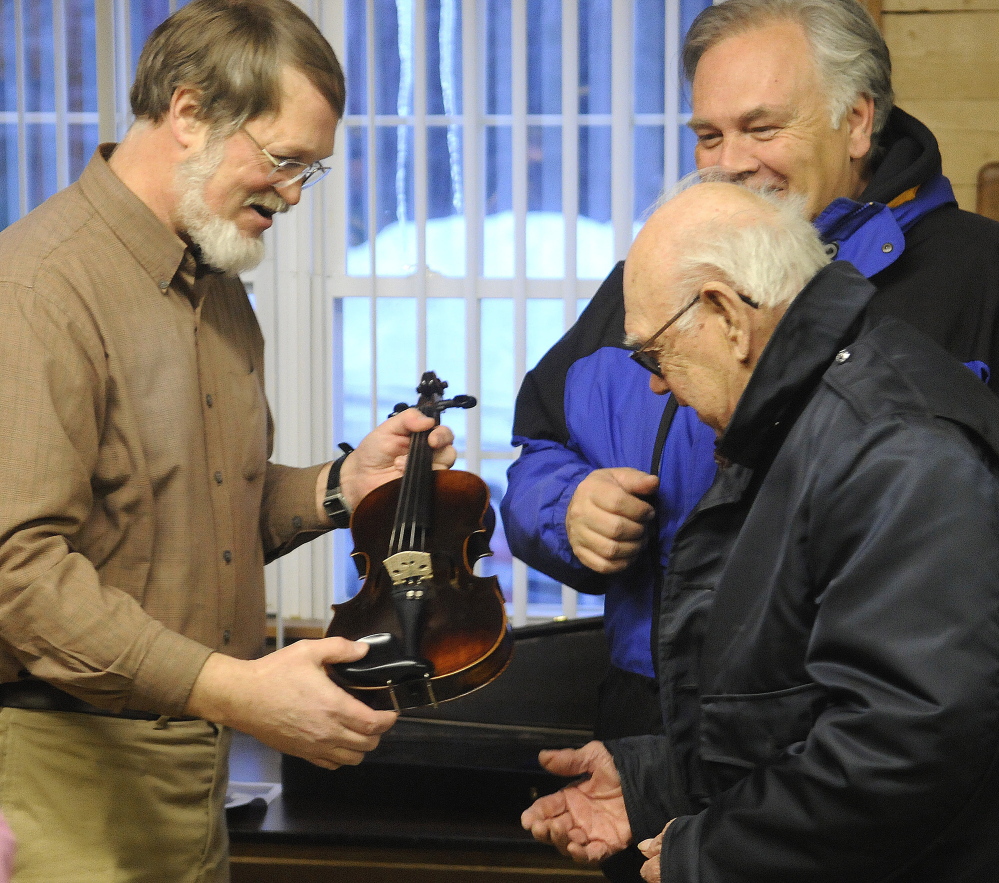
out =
column 408, row 567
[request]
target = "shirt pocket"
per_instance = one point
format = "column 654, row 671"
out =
column 740, row 732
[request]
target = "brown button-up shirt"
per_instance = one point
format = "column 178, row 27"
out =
column 137, row 500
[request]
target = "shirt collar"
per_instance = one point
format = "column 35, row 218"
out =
column 155, row 247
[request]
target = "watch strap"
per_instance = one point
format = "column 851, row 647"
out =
column 334, row 502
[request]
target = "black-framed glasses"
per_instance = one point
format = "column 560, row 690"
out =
column 645, row 355
column 290, row 171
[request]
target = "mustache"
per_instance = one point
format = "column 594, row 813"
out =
column 272, row 202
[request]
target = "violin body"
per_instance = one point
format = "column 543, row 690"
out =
column 436, row 631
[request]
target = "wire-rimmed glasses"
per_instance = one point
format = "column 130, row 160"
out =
column 290, row 171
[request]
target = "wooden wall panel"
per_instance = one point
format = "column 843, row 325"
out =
column 936, row 5
column 874, row 7
column 944, row 55
column 946, row 72
column 968, row 132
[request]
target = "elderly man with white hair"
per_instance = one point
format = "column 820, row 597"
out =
column 792, row 94
column 828, row 641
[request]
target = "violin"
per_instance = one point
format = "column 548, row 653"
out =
column 435, row 629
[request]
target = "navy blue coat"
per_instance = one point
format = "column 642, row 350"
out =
column 829, row 623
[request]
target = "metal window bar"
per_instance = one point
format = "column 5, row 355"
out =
column 22, row 129
column 473, row 144
column 107, row 125
column 123, row 62
column 59, row 84
column 671, row 95
column 418, row 97
column 570, row 194
column 518, row 107
column 622, row 104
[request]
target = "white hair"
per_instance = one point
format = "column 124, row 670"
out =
column 221, row 244
column 767, row 256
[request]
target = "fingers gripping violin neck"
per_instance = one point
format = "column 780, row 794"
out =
column 435, row 630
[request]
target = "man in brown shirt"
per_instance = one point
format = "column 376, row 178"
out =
column 139, row 500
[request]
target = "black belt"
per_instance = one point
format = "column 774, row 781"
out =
column 34, row 695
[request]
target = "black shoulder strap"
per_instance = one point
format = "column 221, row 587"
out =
column 669, row 412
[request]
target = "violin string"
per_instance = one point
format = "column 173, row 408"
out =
column 399, row 527
column 403, row 515
column 412, row 509
column 419, row 492
column 406, row 531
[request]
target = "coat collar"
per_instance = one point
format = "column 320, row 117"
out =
column 907, row 184
column 820, row 321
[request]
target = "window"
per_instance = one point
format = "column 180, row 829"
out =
column 495, row 161
column 499, row 157
column 65, row 68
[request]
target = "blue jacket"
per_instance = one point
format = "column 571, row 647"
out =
column 587, row 406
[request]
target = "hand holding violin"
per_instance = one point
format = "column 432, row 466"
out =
column 436, row 629
column 381, row 456
column 286, row 701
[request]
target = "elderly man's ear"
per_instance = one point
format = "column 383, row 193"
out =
column 735, row 318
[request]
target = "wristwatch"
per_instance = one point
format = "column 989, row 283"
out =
column 334, row 502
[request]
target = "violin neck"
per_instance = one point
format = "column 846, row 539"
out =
column 412, row 515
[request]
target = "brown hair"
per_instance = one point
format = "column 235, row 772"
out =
column 233, row 52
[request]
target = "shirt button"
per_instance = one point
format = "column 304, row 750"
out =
column 164, row 285
column 296, row 522
column 218, row 478
column 887, row 248
column 209, row 400
column 227, row 556
column 226, row 636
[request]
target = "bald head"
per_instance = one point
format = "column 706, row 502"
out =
column 737, row 258
column 679, row 223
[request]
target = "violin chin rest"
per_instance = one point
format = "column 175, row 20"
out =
column 384, row 664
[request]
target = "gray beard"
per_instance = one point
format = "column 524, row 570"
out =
column 222, row 245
